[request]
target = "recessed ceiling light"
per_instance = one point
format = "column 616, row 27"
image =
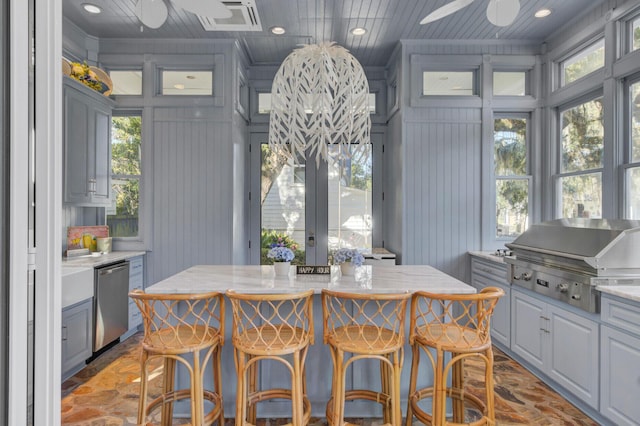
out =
column 91, row 8
column 179, row 86
column 277, row 30
column 358, row 31
column 542, row 13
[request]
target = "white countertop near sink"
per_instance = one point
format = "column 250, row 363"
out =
column 93, row 261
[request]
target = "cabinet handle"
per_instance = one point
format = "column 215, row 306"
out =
column 64, row 332
column 545, row 330
column 92, row 186
column 544, row 318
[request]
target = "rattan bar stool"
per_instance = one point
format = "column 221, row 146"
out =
column 176, row 325
column 271, row 327
column 458, row 325
column 368, row 326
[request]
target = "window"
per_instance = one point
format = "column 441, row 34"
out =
column 634, row 34
column 264, row 103
column 632, row 168
column 123, row 217
column 187, row 83
column 582, row 63
column 448, row 83
column 126, row 82
column 581, row 148
column 509, row 83
column 511, row 179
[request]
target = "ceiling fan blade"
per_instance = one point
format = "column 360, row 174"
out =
column 209, row 8
column 152, row 13
column 445, row 10
column 502, row 13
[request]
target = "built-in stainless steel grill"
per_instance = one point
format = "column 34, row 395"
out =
column 565, row 258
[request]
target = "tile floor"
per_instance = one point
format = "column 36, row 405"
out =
column 105, row 393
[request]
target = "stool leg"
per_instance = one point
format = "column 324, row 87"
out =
column 386, row 390
column 415, row 360
column 488, row 379
column 169, row 374
column 240, row 389
column 439, row 392
column 296, row 391
column 142, row 402
column 457, row 384
column 252, row 372
column 395, row 393
column 197, row 403
column 339, row 389
column 217, row 379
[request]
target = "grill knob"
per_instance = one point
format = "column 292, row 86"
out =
column 562, row 287
column 526, row 276
column 576, row 297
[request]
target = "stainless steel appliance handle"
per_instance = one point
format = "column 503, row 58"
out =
column 109, row 270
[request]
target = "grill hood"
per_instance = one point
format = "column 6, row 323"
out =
column 596, row 246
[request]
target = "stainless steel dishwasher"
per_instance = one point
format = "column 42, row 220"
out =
column 111, row 304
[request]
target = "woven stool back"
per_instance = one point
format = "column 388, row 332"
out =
column 453, row 321
column 364, row 323
column 271, row 323
column 180, row 323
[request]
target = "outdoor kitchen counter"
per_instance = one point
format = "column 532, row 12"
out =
column 261, row 279
column 631, row 292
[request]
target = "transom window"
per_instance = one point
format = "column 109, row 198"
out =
column 187, row 83
column 586, row 61
column 126, row 82
column 264, row 103
column 509, row 83
column 581, row 149
column 448, row 83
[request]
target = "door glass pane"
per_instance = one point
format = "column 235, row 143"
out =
column 582, row 195
column 349, row 196
column 282, row 201
column 582, row 137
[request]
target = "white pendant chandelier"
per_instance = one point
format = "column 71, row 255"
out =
column 319, row 97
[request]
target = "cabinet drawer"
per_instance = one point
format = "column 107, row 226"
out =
column 136, row 264
column 493, row 271
column 620, row 314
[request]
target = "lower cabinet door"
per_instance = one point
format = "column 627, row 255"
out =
column 529, row 328
column 574, row 357
column 77, row 336
column 620, row 377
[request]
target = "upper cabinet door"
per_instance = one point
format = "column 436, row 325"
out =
column 87, row 142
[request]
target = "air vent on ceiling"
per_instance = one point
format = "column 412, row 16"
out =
column 244, row 18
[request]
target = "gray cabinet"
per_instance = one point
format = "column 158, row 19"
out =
column 77, row 337
column 136, row 282
column 87, row 145
column 620, row 365
column 485, row 274
column 546, row 336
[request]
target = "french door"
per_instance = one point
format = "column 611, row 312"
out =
column 314, row 209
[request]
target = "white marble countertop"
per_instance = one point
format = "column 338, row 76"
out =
column 261, row 279
column 489, row 255
column 631, row 292
column 97, row 260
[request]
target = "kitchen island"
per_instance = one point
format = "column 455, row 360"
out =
column 262, row 279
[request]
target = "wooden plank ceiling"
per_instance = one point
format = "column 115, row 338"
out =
column 386, row 21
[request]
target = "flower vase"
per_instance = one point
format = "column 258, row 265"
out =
column 282, row 268
column 347, row 269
